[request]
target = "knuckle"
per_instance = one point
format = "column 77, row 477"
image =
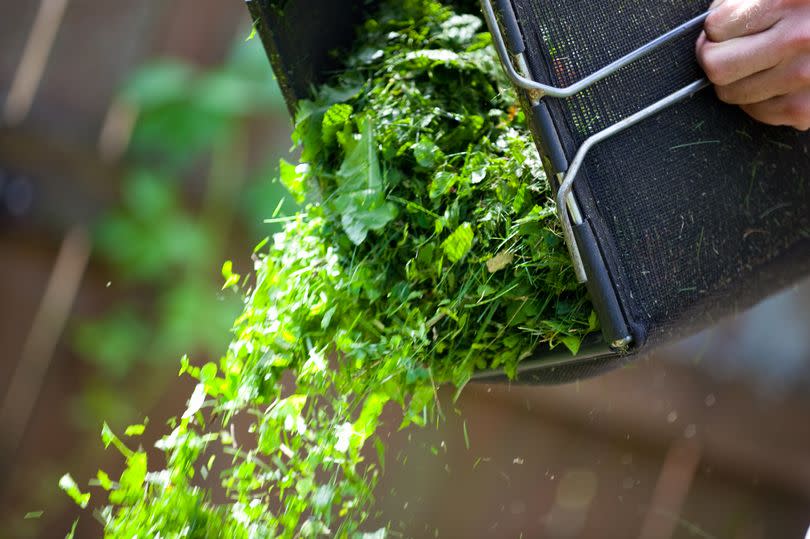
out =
column 724, row 94
column 716, row 71
column 797, row 111
column 714, row 23
column 776, row 5
column 803, row 121
column 802, row 74
column 798, row 39
column 782, row 5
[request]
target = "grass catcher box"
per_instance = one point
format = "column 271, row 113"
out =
column 679, row 209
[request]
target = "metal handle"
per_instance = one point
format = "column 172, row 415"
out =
column 523, row 80
column 565, row 195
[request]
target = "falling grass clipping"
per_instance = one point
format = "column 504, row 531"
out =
column 427, row 249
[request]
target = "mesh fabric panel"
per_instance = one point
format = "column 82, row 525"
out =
column 700, row 211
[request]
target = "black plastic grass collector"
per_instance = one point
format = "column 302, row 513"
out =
column 302, row 37
column 683, row 210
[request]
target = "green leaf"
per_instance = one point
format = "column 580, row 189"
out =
column 379, row 446
column 421, row 398
column 357, row 224
column 359, row 177
column 72, row 533
column 231, row 278
column 572, row 342
column 33, row 515
column 466, row 436
column 427, row 153
column 196, row 401
column 108, row 437
column 67, row 484
column 208, row 372
column 459, row 243
column 334, row 120
column 104, row 480
column 131, row 484
column 135, row 430
column 307, row 132
column 294, row 179
column 442, row 183
column 593, row 322
column 360, row 194
column 366, row 424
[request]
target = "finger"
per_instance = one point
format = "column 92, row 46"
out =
column 729, row 19
column 783, row 79
column 701, row 42
column 735, row 59
column 792, row 110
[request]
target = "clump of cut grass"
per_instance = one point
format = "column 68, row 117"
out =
column 427, row 248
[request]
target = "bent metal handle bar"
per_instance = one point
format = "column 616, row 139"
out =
column 564, row 193
column 524, row 81
column 566, row 202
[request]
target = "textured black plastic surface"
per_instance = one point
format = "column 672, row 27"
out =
column 548, row 137
column 511, row 27
column 557, row 367
column 600, row 287
column 303, row 39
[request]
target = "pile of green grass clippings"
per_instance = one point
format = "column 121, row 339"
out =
column 428, row 248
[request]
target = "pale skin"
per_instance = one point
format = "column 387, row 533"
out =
column 757, row 54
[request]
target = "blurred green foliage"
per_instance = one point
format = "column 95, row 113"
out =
column 189, row 180
column 183, row 112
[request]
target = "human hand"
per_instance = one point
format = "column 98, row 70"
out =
column 757, row 54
